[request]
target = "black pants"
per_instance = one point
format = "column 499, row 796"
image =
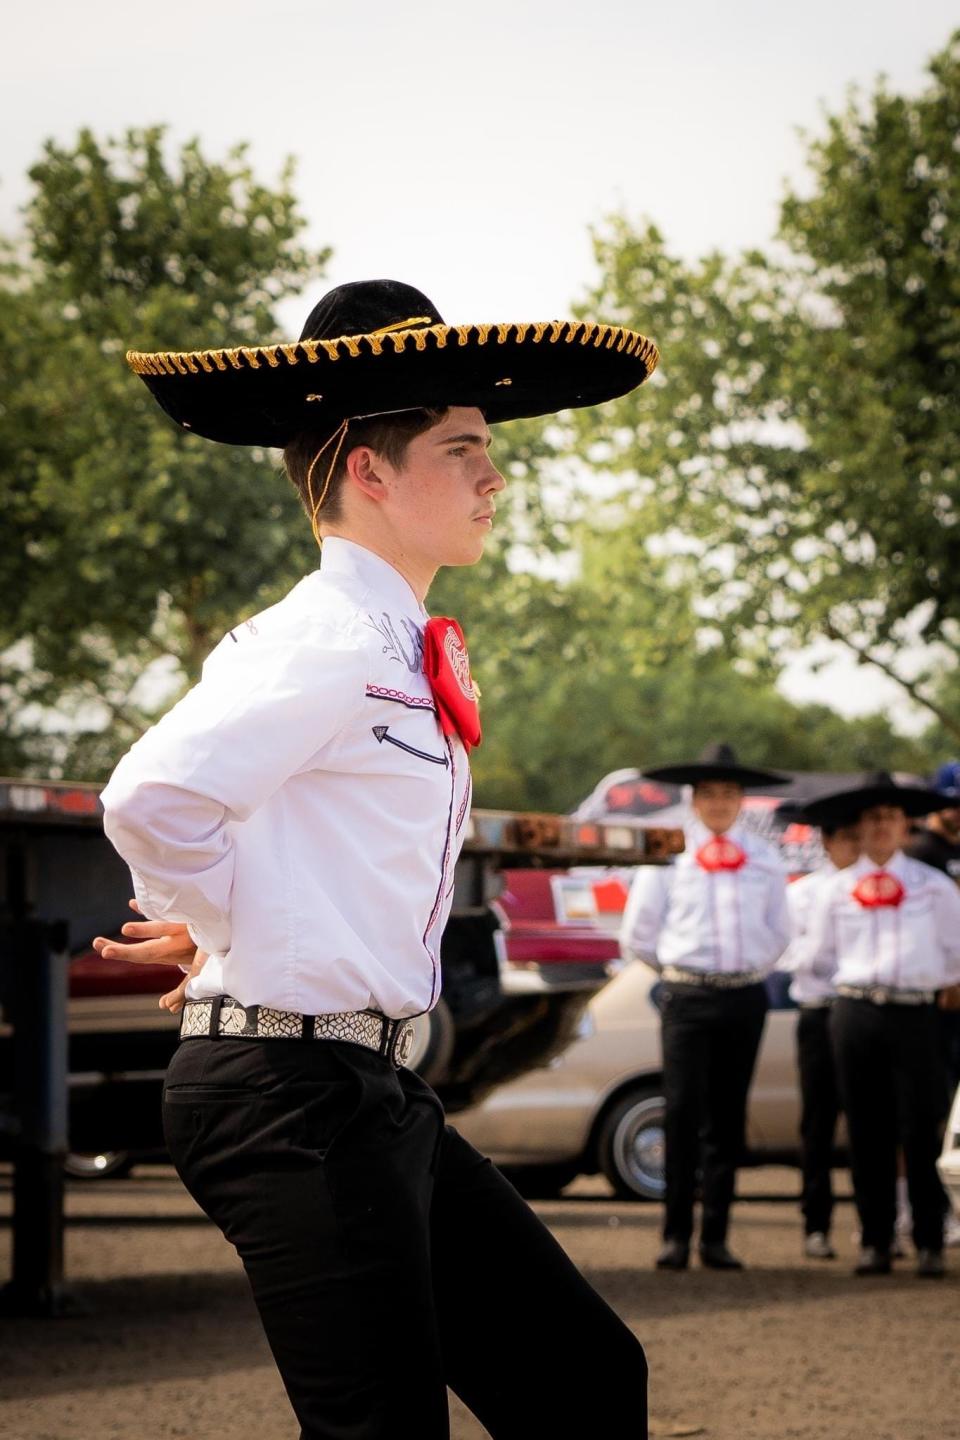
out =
column 710, row 1043
column 820, row 1106
column 894, row 1091
column 387, row 1258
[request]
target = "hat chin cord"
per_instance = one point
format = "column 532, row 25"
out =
column 316, row 505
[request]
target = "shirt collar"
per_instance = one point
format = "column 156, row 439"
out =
column 346, row 557
column 896, row 865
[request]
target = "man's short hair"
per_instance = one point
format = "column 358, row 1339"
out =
column 388, row 435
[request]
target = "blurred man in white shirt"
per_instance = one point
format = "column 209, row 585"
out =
column 714, row 923
column 886, row 933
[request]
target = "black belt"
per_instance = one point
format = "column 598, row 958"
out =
column 886, row 995
column 711, row 979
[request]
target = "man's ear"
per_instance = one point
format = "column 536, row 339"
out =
column 364, row 469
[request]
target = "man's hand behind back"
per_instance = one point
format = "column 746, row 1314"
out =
column 156, row 942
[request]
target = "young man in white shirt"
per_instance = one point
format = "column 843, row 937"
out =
column 714, row 924
column 814, row 996
column 301, row 811
column 886, row 933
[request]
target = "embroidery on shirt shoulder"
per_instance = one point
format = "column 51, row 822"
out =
column 409, row 654
column 399, row 697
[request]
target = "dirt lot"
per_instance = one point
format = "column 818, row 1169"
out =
column 790, row 1350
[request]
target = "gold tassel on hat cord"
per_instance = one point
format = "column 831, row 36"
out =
column 340, row 434
column 402, row 324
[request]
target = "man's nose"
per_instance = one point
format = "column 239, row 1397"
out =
column 494, row 481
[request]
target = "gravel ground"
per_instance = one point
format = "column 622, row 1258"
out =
column 789, row 1350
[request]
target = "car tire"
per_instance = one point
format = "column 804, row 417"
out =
column 434, row 1034
column 630, row 1145
column 99, row 1165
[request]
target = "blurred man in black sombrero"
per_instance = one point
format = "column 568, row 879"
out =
column 886, row 932
column 301, row 811
column 713, row 923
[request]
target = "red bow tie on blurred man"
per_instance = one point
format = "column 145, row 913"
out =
column 721, row 853
column 878, row 889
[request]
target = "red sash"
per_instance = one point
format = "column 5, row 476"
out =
column 721, row 853
column 446, row 665
column 877, row 889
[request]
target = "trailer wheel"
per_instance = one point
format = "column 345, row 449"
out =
column 630, row 1146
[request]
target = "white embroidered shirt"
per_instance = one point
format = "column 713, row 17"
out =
column 717, row 921
column 911, row 946
column 300, row 808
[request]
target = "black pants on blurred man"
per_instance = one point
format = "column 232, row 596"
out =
column 894, row 1090
column 710, row 1041
column 820, row 1108
column 387, row 1258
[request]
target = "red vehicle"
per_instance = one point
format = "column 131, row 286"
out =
column 518, row 964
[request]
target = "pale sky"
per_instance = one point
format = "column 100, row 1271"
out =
column 468, row 149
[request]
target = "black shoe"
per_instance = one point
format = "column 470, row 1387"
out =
column 930, row 1264
column 718, row 1257
column 675, row 1255
column 872, row 1261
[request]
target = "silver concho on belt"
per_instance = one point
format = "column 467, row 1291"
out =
column 402, row 1047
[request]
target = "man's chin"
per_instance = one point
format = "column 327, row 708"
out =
column 466, row 554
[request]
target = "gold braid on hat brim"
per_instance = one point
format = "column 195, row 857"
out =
column 379, row 342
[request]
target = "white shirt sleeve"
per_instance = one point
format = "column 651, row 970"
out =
column 644, row 913
column 798, row 906
column 777, row 917
column 263, row 711
column 816, row 949
column 946, row 910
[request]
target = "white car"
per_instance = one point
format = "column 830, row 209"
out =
column 599, row 1105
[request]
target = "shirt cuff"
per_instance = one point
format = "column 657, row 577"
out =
column 211, row 942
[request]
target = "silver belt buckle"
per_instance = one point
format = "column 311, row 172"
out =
column 401, row 1047
column 879, row 994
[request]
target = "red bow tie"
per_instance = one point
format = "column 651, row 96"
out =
column 877, row 889
column 446, row 665
column 721, row 853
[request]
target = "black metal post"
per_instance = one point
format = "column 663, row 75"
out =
column 36, row 964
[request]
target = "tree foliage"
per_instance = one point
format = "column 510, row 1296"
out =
column 805, row 430
column 128, row 543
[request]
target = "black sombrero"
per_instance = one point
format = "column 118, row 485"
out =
column 717, row 762
column 876, row 787
column 378, row 346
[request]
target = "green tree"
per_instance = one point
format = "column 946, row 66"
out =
column 130, row 546
column 803, row 435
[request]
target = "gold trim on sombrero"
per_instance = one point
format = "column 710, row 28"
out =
column 588, row 332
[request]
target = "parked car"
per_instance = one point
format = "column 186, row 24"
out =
column 599, row 1105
